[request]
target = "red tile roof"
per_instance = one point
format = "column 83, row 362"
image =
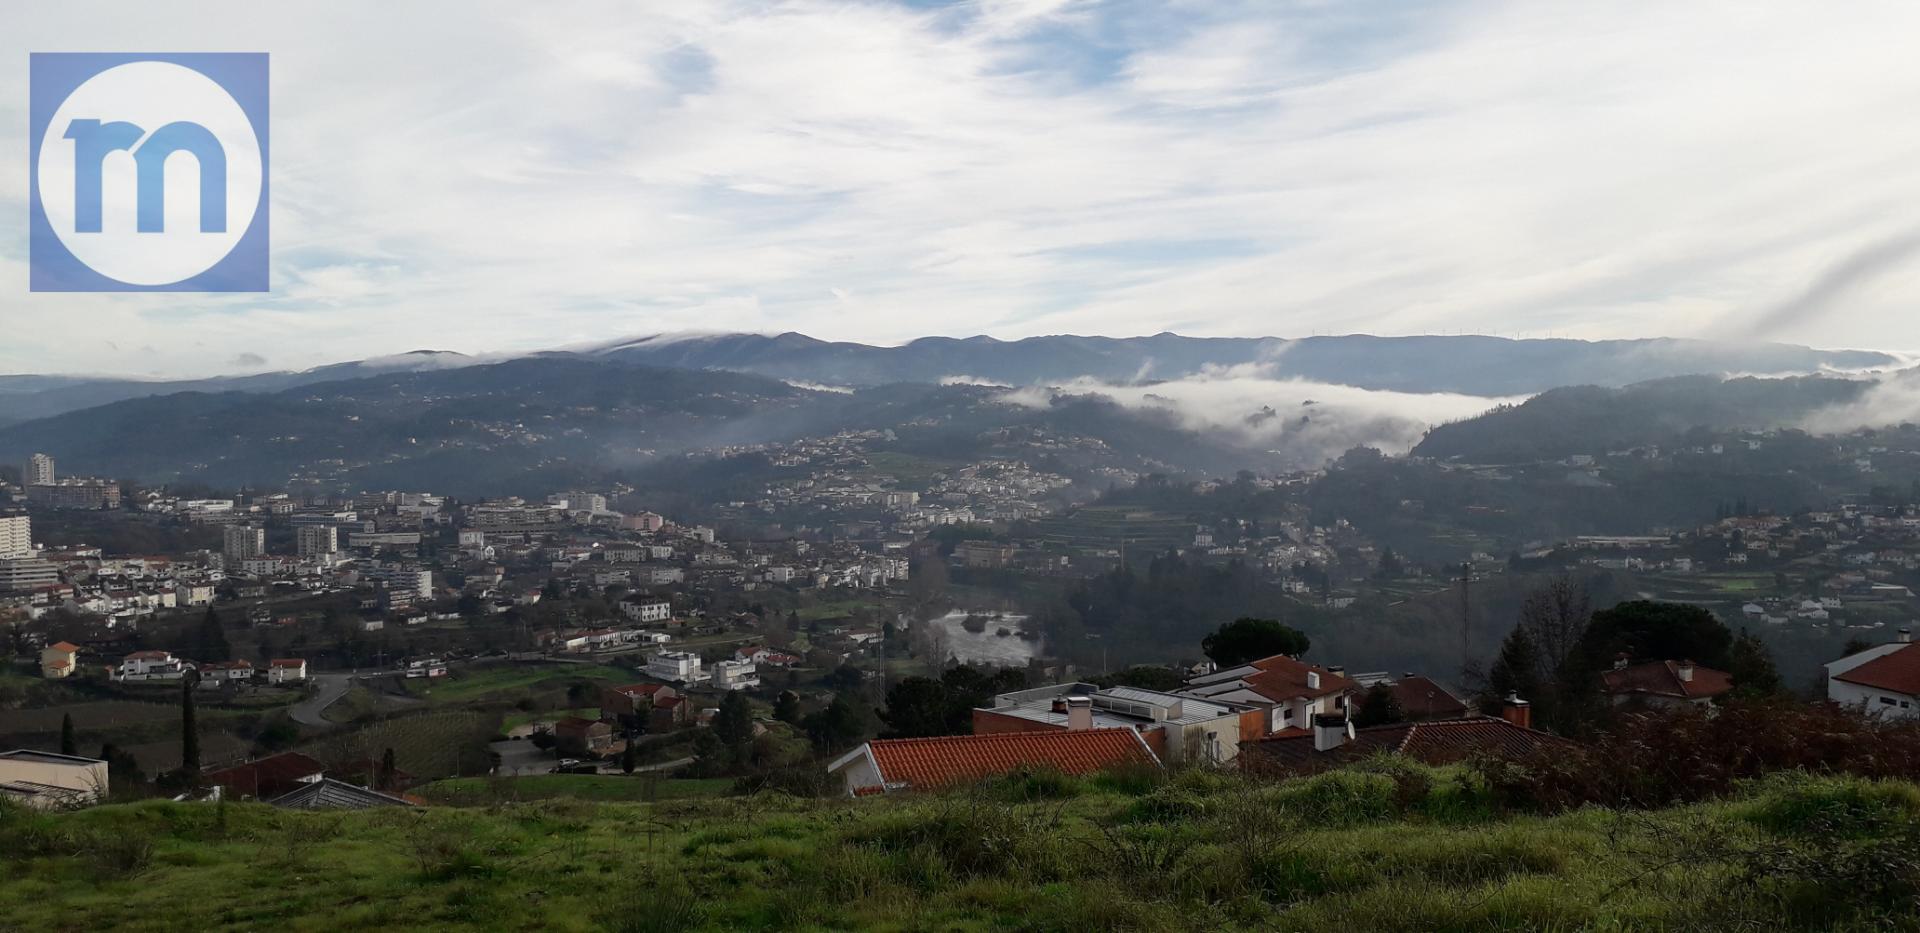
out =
column 641, row 689
column 1422, row 698
column 1436, row 741
column 287, row 662
column 954, row 759
column 267, row 777
column 1896, row 672
column 1662, row 679
column 1281, row 678
column 66, row 646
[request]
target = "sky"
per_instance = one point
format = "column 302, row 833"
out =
column 493, row 177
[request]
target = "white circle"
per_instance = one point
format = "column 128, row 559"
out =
column 151, row 95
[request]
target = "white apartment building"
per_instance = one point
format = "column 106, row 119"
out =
column 244, row 542
column 681, row 667
column 647, row 609
column 317, row 542
column 735, row 675
column 39, row 470
column 16, row 536
column 27, row 573
column 150, row 665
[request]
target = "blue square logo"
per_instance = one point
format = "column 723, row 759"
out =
column 148, row 172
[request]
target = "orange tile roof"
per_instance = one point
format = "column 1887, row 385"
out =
column 66, row 646
column 1896, row 671
column 953, row 759
column 1282, row 678
column 1662, row 678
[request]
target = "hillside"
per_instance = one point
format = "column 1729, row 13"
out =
column 548, row 421
column 1390, row 847
column 1591, row 419
column 1473, row 365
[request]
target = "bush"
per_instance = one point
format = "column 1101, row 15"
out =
column 1659, row 758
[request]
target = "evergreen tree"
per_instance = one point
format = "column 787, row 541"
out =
column 630, row 757
column 734, row 723
column 384, row 780
column 210, row 641
column 1515, row 671
column 1752, row 667
column 68, row 745
column 1378, row 708
column 786, row 708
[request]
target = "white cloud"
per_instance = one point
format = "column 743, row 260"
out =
column 491, row 177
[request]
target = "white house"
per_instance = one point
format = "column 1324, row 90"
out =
column 677, row 666
column 735, row 675
column 150, row 665
column 215, row 673
column 286, row 670
column 1883, row 680
column 646, row 609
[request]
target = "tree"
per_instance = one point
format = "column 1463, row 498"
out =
column 629, row 757
column 1378, row 707
column 1515, row 671
column 68, row 745
column 189, row 733
column 1655, row 631
column 734, row 723
column 210, row 640
column 1249, row 639
column 384, row 778
column 786, row 708
column 1389, row 564
column 844, row 722
column 1556, row 617
column 1751, row 665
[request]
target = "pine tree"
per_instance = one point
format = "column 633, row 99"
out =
column 1516, row 670
column 385, row 779
column 210, row 642
column 68, row 745
column 1378, row 708
column 734, row 724
column 1751, row 666
column 630, row 757
column 786, row 708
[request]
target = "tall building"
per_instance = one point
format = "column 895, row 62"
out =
column 75, row 494
column 316, row 541
column 16, row 536
column 245, row 542
column 39, row 470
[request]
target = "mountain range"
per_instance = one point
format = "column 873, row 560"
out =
column 1470, row 365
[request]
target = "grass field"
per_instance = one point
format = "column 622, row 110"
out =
column 1398, row 848
column 467, row 684
column 598, row 787
column 1109, row 526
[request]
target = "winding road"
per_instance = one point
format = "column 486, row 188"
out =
column 331, row 688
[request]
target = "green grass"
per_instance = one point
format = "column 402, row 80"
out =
column 1386, row 848
column 519, row 718
column 474, row 683
column 599, row 787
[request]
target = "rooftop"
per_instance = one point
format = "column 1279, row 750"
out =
column 952, row 759
column 1662, row 679
column 1897, row 671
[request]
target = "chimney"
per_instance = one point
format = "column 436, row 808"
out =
column 1905, row 636
column 1313, row 680
column 1079, row 713
column 1059, row 704
column 1685, row 670
column 1517, row 711
column 1330, row 731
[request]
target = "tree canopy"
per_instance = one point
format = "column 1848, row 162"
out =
column 1249, row 639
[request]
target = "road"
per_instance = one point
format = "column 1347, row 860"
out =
column 331, row 687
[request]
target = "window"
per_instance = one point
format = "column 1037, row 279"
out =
column 1887, row 701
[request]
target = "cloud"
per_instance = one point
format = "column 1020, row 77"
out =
column 1305, row 421
column 491, row 178
column 1891, row 399
column 247, row 361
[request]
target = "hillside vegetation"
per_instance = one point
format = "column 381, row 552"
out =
column 1386, row 846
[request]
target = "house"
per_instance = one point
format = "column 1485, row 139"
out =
column 1292, row 690
column 60, row 659
column 583, row 737
column 735, row 675
column 286, row 670
column 1333, row 741
column 646, row 609
column 46, row 781
column 632, row 705
column 889, row 765
column 765, row 657
column 1421, row 698
column 219, row 673
column 681, row 667
column 269, row 777
column 150, row 665
column 1664, row 683
column 1883, row 680
column 669, row 713
column 329, row 794
column 1176, row 727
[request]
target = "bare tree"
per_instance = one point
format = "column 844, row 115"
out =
column 1555, row 617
